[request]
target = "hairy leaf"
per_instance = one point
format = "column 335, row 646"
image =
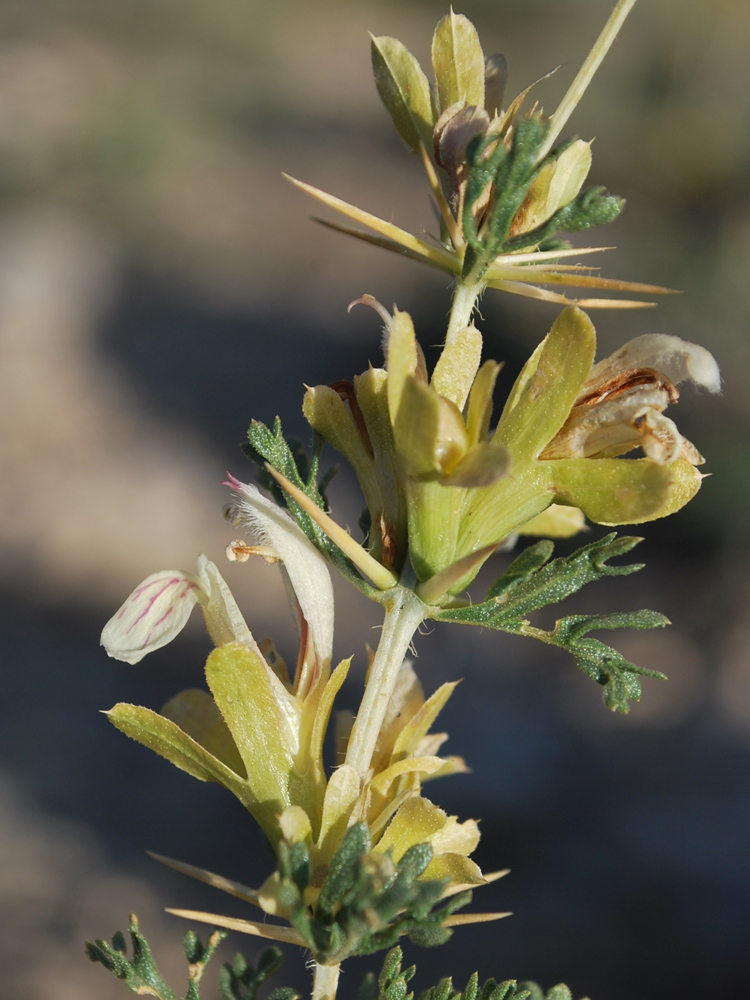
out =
column 532, row 582
column 367, row 901
column 140, row 974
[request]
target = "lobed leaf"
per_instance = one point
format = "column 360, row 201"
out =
column 141, row 975
column 533, row 582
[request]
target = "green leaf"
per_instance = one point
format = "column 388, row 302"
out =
column 290, row 458
column 594, row 207
column 532, row 582
column 404, row 90
column 284, row 993
column 140, row 973
column 559, row 992
column 458, row 62
column 618, row 676
column 523, row 567
column 392, row 984
column 344, row 868
column 511, row 174
column 556, row 185
column 429, row 431
column 523, row 589
column 240, row 981
column 369, row 988
column 367, row 902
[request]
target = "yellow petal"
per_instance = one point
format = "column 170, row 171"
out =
column 166, row 738
column 458, row 62
column 401, row 358
column 457, row 366
column 429, row 431
column 322, row 712
column 454, row 578
column 341, row 795
column 195, row 712
column 382, row 782
column 416, row 822
column 487, row 878
column 452, row 765
column 616, row 491
column 557, row 521
column 685, row 483
column 326, row 413
column 456, row 838
column 482, row 465
column 421, row 722
column 456, row 867
column 556, row 184
column 548, row 386
column 404, row 703
column 480, row 402
column 295, row 826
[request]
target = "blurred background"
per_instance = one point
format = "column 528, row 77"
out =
column 161, row 284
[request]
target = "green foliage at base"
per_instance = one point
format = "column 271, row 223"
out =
column 392, row 985
column 366, row 902
column 532, row 582
column 238, row 981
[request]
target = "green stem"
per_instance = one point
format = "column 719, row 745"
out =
column 325, row 981
column 464, row 299
column 403, row 615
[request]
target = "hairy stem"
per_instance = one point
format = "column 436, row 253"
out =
column 586, row 73
column 325, row 982
column 403, row 615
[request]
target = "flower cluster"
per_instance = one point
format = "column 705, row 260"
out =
column 503, row 191
column 260, row 732
column 444, row 487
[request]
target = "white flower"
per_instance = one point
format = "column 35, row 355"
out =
column 305, row 566
column 158, row 609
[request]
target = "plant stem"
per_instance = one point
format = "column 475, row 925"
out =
column 325, row 982
column 403, row 615
column 586, row 74
column 464, row 299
